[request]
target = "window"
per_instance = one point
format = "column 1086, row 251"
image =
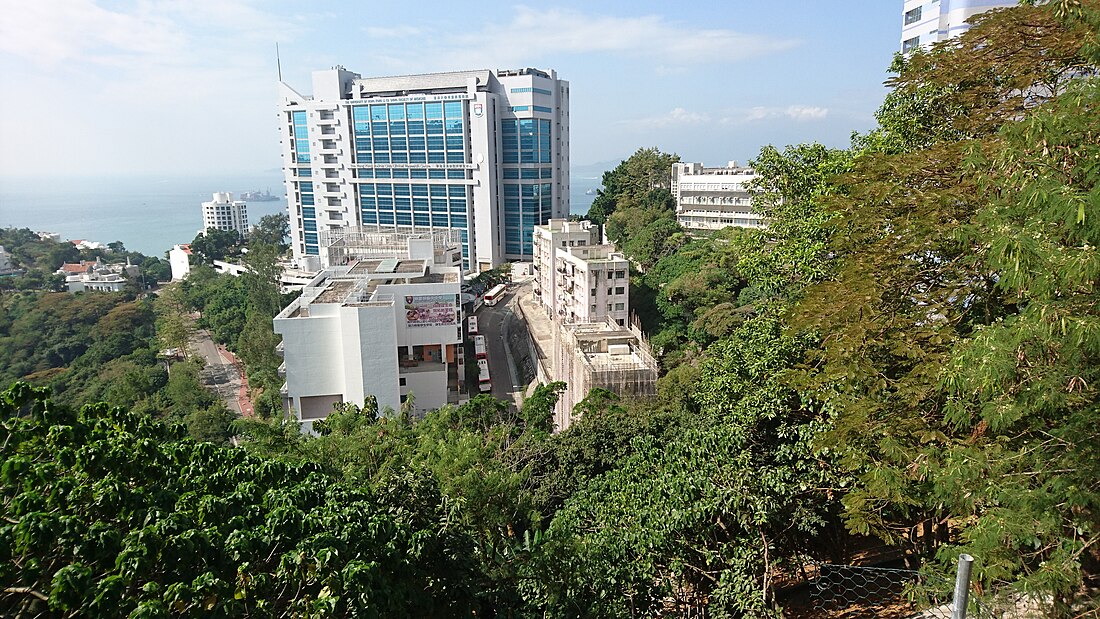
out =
column 910, row 44
column 609, row 292
column 912, row 16
column 620, row 307
column 620, row 274
column 620, row 290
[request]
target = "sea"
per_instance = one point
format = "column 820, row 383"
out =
column 150, row 214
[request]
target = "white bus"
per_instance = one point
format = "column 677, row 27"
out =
column 479, row 347
column 483, row 383
column 473, row 326
column 495, row 295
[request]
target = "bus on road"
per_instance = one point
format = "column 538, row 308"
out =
column 483, row 383
column 479, row 347
column 495, row 295
column 473, row 326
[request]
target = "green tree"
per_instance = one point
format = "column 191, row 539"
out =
column 215, row 244
column 648, row 169
column 175, row 330
column 271, row 230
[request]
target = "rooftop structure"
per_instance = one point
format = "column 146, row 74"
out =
column 714, row 198
column 345, row 245
column 484, row 153
column 601, row 355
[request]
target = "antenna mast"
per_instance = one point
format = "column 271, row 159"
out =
column 278, row 62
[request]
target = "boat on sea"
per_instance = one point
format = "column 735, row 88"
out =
column 258, row 196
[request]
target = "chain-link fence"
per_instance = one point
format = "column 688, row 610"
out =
column 855, row 592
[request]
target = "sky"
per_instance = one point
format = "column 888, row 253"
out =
column 188, row 87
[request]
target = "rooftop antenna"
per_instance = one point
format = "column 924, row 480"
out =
column 278, row 62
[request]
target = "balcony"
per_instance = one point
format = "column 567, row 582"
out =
column 282, row 370
column 280, row 350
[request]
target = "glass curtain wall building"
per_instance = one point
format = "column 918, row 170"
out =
column 482, row 152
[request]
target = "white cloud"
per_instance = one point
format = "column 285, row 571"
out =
column 535, row 35
column 675, row 117
column 393, row 32
column 797, row 113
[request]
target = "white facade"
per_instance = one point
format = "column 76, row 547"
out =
column 924, row 23
column 578, row 279
column 179, row 257
column 482, row 152
column 225, row 213
column 714, row 198
column 389, row 327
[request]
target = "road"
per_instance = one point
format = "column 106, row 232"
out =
column 222, row 374
column 496, row 323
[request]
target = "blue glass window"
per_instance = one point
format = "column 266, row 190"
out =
column 521, row 108
column 437, row 174
column 305, row 172
column 458, row 174
column 433, row 111
column 511, row 173
column 542, row 108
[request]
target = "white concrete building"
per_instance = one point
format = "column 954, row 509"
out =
column 225, row 213
column 578, row 279
column 179, row 257
column 926, row 22
column 86, row 276
column 485, row 153
column 387, row 327
column 713, row 198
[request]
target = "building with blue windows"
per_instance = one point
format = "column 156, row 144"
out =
column 484, row 153
column 925, row 22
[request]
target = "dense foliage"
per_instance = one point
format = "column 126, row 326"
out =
column 108, row 514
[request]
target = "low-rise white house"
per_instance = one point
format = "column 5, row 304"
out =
column 95, row 276
column 383, row 327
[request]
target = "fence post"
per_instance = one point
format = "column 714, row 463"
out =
column 962, row 587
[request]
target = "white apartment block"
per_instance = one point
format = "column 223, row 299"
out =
column 485, row 153
column 383, row 326
column 925, row 23
column 225, row 213
column 578, row 279
column 714, row 198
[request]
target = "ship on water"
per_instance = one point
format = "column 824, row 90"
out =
column 258, row 196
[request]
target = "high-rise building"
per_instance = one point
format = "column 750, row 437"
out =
column 482, row 152
column 925, row 22
column 714, row 198
column 225, row 213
